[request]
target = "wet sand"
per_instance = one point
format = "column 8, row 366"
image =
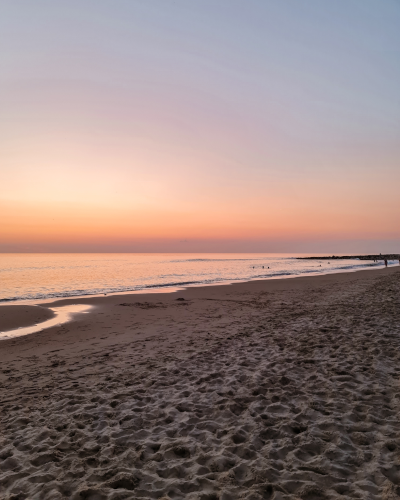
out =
column 278, row 389
column 15, row 316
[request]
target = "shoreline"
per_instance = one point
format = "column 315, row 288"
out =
column 273, row 389
column 177, row 287
column 29, row 312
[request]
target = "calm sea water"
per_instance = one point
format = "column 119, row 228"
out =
column 44, row 276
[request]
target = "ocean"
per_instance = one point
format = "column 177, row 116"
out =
column 26, row 277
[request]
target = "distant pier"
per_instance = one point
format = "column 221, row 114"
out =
column 387, row 256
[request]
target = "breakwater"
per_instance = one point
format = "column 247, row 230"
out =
column 388, row 256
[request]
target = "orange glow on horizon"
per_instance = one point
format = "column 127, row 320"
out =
column 33, row 224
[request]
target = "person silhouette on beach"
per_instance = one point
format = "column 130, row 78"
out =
column 385, row 262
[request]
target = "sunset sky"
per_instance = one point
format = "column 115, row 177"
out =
column 200, row 125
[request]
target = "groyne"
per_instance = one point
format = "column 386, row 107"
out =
column 387, row 256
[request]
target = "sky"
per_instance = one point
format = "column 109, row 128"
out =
column 201, row 125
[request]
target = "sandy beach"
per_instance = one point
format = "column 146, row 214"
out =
column 277, row 389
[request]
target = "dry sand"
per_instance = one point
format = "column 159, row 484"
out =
column 280, row 389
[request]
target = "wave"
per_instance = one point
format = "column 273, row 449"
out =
column 102, row 291
column 218, row 260
column 357, row 266
column 272, row 275
column 204, row 277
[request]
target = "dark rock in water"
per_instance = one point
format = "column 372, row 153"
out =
column 180, row 298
